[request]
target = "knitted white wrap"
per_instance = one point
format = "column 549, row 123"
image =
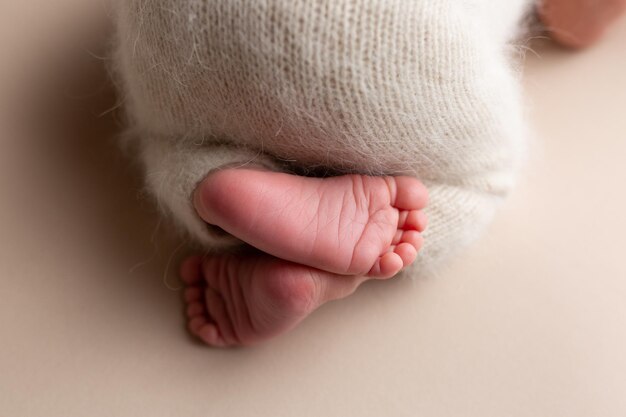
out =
column 417, row 87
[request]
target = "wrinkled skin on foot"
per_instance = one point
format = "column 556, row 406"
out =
column 327, row 235
column 243, row 300
column 350, row 225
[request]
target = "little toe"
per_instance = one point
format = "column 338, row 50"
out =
column 410, row 194
column 390, row 264
column 206, row 330
column 387, row 266
column 210, row 335
column 195, row 324
column 190, row 270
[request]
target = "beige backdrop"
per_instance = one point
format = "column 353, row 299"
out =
column 530, row 322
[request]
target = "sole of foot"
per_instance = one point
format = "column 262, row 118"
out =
column 239, row 301
column 349, row 225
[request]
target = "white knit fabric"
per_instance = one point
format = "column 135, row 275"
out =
column 413, row 87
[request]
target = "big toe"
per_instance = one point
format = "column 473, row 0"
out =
column 214, row 198
column 202, row 197
column 408, row 193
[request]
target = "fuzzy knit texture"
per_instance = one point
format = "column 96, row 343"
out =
column 426, row 88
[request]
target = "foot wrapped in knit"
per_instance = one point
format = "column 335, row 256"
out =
column 420, row 88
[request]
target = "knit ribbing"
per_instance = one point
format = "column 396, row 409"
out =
column 417, row 87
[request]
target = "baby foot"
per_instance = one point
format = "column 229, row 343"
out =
column 352, row 225
column 244, row 300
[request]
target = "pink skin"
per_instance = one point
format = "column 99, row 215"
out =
column 328, row 235
column 240, row 301
column 349, row 225
column 579, row 23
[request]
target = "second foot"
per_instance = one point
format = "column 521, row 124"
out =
column 234, row 300
column 352, row 224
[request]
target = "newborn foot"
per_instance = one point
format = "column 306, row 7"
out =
column 351, row 225
column 244, row 300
